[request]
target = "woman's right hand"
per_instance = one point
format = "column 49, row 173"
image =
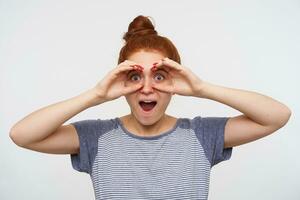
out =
column 112, row 86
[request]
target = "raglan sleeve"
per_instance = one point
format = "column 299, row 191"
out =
column 210, row 131
column 87, row 135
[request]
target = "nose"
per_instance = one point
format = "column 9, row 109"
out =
column 147, row 86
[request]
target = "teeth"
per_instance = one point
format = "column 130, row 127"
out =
column 148, row 101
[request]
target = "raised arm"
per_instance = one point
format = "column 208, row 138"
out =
column 43, row 131
column 261, row 116
column 33, row 130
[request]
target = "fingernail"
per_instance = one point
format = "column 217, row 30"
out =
column 153, row 68
column 142, row 68
column 137, row 67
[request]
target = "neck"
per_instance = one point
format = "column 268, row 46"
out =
column 134, row 125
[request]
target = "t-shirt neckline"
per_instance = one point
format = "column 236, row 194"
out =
column 147, row 137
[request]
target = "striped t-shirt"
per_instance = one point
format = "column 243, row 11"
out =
column 173, row 165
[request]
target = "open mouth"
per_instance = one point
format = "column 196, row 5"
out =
column 147, row 105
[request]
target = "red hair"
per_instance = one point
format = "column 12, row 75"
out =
column 141, row 35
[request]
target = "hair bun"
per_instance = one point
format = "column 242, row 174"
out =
column 140, row 26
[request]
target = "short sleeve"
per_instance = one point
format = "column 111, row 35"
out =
column 87, row 135
column 210, row 131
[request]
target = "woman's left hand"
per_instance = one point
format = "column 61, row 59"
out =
column 184, row 81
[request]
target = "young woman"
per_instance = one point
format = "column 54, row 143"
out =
column 149, row 154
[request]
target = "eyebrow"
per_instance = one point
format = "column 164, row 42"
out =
column 160, row 69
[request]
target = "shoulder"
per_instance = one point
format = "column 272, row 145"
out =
column 94, row 126
column 198, row 123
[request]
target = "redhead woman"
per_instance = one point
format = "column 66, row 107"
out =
column 149, row 154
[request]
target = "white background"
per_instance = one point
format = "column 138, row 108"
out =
column 53, row 50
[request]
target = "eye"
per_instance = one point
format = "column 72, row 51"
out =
column 134, row 77
column 160, row 77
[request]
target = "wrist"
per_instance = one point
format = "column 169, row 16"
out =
column 202, row 88
column 91, row 98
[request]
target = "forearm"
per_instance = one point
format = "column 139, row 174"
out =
column 41, row 123
column 259, row 108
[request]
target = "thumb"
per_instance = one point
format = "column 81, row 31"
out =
column 130, row 89
column 164, row 88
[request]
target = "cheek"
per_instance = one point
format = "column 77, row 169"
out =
column 130, row 98
column 165, row 98
column 132, row 101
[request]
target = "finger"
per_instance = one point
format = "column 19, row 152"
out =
column 128, row 90
column 138, row 67
column 168, row 63
column 122, row 69
column 165, row 88
column 129, row 62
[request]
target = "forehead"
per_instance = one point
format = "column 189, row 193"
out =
column 146, row 58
